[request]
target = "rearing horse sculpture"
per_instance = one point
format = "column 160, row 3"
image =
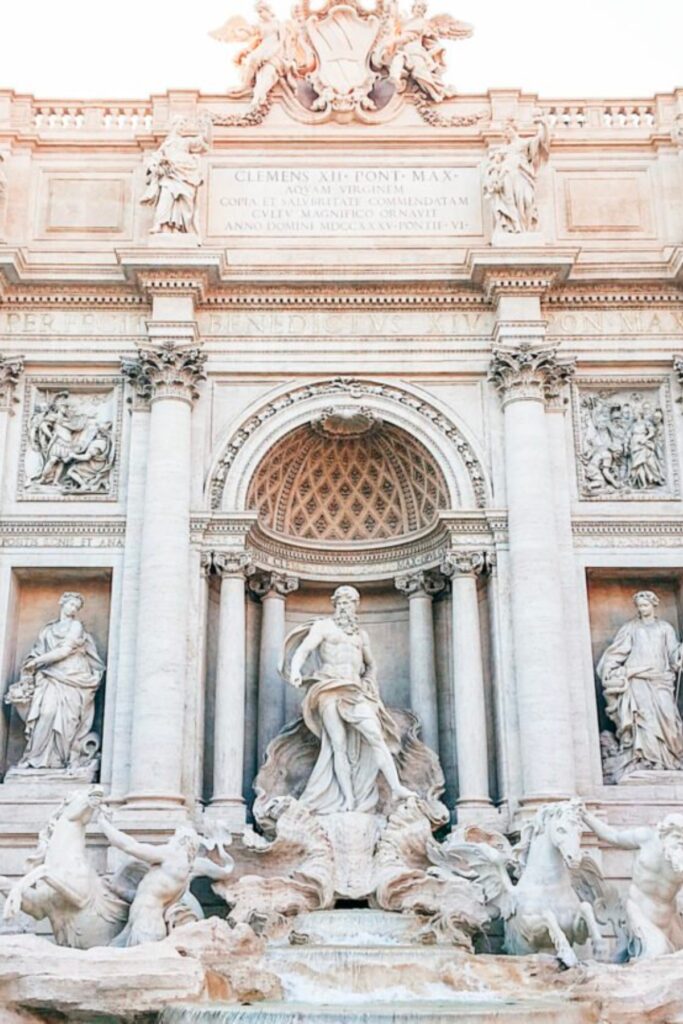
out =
column 64, row 886
column 551, row 908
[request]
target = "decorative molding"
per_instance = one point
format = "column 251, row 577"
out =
column 529, row 372
column 415, row 295
column 11, row 370
column 623, row 533
column 524, row 281
column 228, row 563
column 599, row 472
column 70, row 533
column 464, row 563
column 161, row 281
column 261, row 584
column 166, row 371
column 340, row 386
column 63, row 295
column 427, row 582
column 600, row 295
column 100, row 391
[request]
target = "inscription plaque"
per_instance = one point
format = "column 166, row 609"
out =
column 353, row 201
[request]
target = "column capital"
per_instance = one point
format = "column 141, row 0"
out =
column 678, row 368
column 277, row 583
column 429, row 582
column 166, row 371
column 529, row 372
column 11, row 370
column 227, row 563
column 464, row 563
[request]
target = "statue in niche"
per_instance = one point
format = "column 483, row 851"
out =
column 510, row 178
column 623, row 444
column 275, row 50
column 654, row 924
column 75, row 447
column 55, row 695
column 174, row 174
column 342, row 707
column 410, row 49
column 639, row 673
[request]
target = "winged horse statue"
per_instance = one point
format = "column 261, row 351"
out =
column 552, row 907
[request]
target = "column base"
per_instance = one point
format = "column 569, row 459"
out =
column 231, row 812
column 529, row 805
column 478, row 812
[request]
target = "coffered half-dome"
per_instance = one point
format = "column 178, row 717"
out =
column 347, row 478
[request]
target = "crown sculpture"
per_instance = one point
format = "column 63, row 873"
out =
column 341, row 61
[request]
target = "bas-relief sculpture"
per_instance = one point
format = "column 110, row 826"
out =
column 623, row 445
column 55, row 697
column 510, row 178
column 71, row 446
column 173, row 176
column 640, row 672
column 341, row 62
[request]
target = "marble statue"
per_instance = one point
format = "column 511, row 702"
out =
column 170, row 867
column 639, row 672
column 623, row 446
column 75, row 447
column 550, row 908
column 510, row 178
column 653, row 917
column 343, row 708
column 273, row 51
column 62, row 884
column 410, row 50
column 55, row 695
column 173, row 175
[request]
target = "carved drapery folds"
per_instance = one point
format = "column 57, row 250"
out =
column 510, row 178
column 166, row 371
column 529, row 372
column 11, row 370
column 70, row 438
column 173, row 175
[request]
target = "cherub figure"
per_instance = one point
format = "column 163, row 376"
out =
column 275, row 50
column 410, row 49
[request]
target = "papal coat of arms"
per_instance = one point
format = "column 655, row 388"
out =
column 342, row 60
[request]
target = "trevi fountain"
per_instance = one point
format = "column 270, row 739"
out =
column 340, row 543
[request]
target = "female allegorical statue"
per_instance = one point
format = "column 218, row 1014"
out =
column 638, row 673
column 56, row 693
column 174, row 174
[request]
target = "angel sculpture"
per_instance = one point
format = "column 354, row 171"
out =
column 411, row 51
column 553, row 905
column 274, row 50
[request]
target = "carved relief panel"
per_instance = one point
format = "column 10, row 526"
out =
column 624, row 440
column 70, row 438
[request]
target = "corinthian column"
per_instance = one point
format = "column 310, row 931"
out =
column 524, row 374
column 168, row 373
column 420, row 588
column 463, row 568
column 229, row 723
column 273, row 589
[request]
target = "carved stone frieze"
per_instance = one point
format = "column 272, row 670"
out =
column 11, row 370
column 349, row 386
column 427, row 582
column 70, row 439
column 624, row 440
column 166, row 371
column 529, row 372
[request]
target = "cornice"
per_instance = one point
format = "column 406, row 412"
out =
column 411, row 295
column 46, row 295
column 620, row 295
column 75, row 532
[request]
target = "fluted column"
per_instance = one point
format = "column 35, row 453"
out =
column 469, row 703
column 420, row 588
column 273, row 589
column 524, row 374
column 229, row 712
column 169, row 374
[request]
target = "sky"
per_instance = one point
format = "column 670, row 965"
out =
column 78, row 49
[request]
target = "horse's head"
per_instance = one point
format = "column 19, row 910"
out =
column 564, row 826
column 82, row 805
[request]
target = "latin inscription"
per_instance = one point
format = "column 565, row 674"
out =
column 302, row 201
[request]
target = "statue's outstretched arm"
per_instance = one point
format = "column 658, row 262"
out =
column 140, row 851
column 625, row 839
column 205, row 868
